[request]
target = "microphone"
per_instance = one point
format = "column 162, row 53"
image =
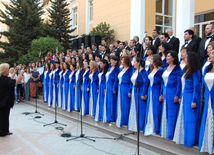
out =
column 144, row 36
column 39, row 54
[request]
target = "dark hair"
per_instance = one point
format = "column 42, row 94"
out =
column 92, row 55
column 175, row 56
column 105, row 69
column 193, row 64
column 67, row 65
column 156, row 31
column 190, row 32
column 186, row 48
column 157, row 61
column 167, row 48
column 133, row 41
column 87, row 62
column 165, row 35
column 53, row 65
column 86, row 56
column 115, row 58
column 104, row 39
column 126, row 60
column 139, row 60
column 48, row 65
column 150, row 38
column 80, row 61
column 118, row 41
column 74, row 65
column 123, row 43
column 153, row 48
column 94, row 44
column 136, row 49
column 107, row 55
column 99, row 56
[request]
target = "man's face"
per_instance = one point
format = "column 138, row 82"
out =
column 93, row 47
column 147, row 41
column 121, row 46
column 208, row 30
column 116, row 44
column 103, row 49
column 187, row 37
column 88, row 49
column 100, row 47
column 163, row 39
column 154, row 34
column 131, row 44
column 103, row 42
column 111, row 48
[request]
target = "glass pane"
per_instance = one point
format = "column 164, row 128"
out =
column 197, row 28
column 203, row 31
column 75, row 19
column 159, row 28
column 159, row 20
column 165, row 29
column 91, row 10
column 167, row 21
column 159, row 6
column 168, row 6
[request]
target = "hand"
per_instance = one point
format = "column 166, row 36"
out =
column 81, row 88
column 144, row 97
column 129, row 95
column 74, row 86
column 161, row 98
column 88, row 89
column 176, row 99
column 97, row 91
column 193, row 105
column 114, row 92
column 53, row 84
column 179, row 101
column 104, row 91
column 63, row 86
column 57, row 85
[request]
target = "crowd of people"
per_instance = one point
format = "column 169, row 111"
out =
column 107, row 82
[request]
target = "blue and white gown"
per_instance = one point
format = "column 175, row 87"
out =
column 46, row 86
column 123, row 100
column 71, row 92
column 51, row 88
column 56, row 82
column 206, row 137
column 110, row 101
column 187, row 126
column 93, row 93
column 60, row 92
column 153, row 109
column 85, row 93
column 133, row 114
column 171, row 89
column 101, row 96
column 65, row 89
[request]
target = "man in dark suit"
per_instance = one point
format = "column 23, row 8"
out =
column 132, row 44
column 173, row 40
column 117, row 47
column 104, row 49
column 156, row 39
column 138, row 45
column 148, row 41
column 164, row 38
column 195, row 38
column 202, row 50
column 94, row 48
column 105, row 44
column 126, row 45
column 188, row 34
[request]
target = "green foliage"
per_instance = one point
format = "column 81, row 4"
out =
column 23, row 18
column 45, row 45
column 60, row 23
column 103, row 30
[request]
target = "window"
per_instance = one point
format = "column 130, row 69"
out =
column 75, row 17
column 164, row 14
column 91, row 10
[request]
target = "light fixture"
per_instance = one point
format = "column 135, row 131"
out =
column 1, row 31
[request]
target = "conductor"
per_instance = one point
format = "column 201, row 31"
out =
column 7, row 85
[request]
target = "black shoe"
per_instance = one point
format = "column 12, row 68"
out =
column 9, row 133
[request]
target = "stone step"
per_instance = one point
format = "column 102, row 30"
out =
column 153, row 142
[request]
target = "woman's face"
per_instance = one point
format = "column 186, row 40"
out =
column 34, row 68
column 65, row 66
column 97, row 59
column 133, row 53
column 73, row 61
column 57, row 65
column 149, row 51
column 136, row 64
column 162, row 49
column 169, row 58
column 71, row 67
column 61, row 67
column 183, row 54
column 211, row 56
column 106, row 58
column 6, row 73
column 152, row 62
column 83, row 56
column 113, row 62
column 29, row 65
column 102, row 65
column 28, row 70
column 91, row 66
column 209, row 49
column 85, row 63
column 52, row 66
column 40, row 65
column 77, row 64
column 91, row 57
column 122, row 61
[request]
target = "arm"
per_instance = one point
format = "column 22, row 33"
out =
column 145, row 83
column 196, row 82
column 19, row 78
column 179, row 75
column 116, row 81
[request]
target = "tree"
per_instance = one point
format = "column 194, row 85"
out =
column 103, row 30
column 60, row 23
column 45, row 45
column 23, row 17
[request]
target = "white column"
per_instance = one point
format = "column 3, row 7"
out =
column 185, row 17
column 137, row 25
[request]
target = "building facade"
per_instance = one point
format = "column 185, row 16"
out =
column 133, row 17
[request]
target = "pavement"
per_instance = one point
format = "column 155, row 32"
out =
column 30, row 137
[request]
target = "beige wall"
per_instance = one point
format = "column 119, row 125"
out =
column 150, row 11
column 203, row 5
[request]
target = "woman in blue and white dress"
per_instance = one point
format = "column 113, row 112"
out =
column 110, row 101
column 153, row 109
column 164, row 48
column 184, row 51
column 51, row 85
column 65, row 86
column 71, row 92
column 60, row 92
column 102, row 85
column 133, row 94
column 187, row 125
column 46, row 82
column 78, row 85
column 94, row 80
column 123, row 100
column 151, row 49
column 171, row 92
column 85, row 88
column 206, row 137
column 56, row 82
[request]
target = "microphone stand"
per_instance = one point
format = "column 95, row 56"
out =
column 55, row 122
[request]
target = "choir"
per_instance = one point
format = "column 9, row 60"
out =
column 166, row 93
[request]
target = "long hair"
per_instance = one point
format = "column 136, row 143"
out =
column 175, row 56
column 95, row 67
column 157, row 61
column 105, row 69
column 115, row 58
column 193, row 64
column 139, row 60
column 126, row 60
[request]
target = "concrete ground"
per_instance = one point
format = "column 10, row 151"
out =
column 31, row 137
